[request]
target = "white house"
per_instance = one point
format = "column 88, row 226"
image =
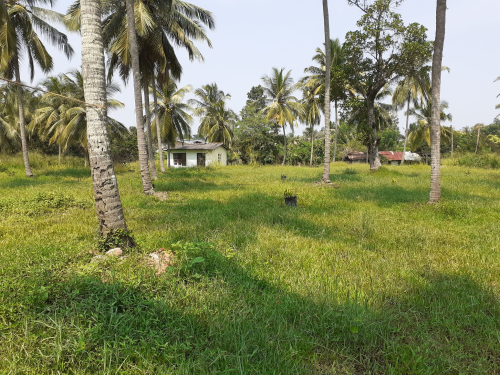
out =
column 197, row 154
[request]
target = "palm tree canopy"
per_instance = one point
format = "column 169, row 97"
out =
column 317, row 74
column 217, row 120
column 64, row 121
column 421, row 131
column 282, row 107
column 173, row 113
column 160, row 25
column 18, row 35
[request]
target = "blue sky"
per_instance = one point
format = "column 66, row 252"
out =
column 251, row 37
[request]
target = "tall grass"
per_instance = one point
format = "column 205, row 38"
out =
column 361, row 278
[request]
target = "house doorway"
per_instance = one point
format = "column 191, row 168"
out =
column 200, row 159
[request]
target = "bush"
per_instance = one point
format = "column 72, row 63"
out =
column 488, row 161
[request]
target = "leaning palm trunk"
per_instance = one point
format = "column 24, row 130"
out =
column 22, row 125
column 149, row 136
column 312, row 146
column 336, row 133
column 158, row 130
column 106, row 195
column 326, row 169
column 435, row 191
column 406, row 129
column 147, row 185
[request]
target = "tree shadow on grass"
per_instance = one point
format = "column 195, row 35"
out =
column 69, row 172
column 214, row 317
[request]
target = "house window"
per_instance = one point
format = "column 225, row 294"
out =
column 180, row 159
column 219, row 158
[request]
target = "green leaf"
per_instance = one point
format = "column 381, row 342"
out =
column 197, row 260
column 354, row 329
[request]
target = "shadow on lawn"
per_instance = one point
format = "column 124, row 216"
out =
column 216, row 318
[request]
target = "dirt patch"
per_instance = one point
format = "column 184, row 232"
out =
column 161, row 195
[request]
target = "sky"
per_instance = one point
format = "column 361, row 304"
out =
column 252, row 37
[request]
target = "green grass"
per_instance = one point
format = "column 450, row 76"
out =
column 365, row 278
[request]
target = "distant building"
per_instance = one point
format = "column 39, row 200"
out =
column 392, row 157
column 197, row 154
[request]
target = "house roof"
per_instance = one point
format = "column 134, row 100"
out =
column 196, row 146
column 392, row 155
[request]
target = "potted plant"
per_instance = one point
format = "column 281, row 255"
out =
column 290, row 198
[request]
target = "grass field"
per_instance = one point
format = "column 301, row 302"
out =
column 362, row 278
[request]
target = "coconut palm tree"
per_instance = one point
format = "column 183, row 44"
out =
column 171, row 115
column 282, row 107
column 312, row 112
column 10, row 139
column 338, row 83
column 19, row 38
column 147, row 185
column 414, row 88
column 422, row 131
column 64, row 121
column 435, row 125
column 106, row 195
column 217, row 120
column 328, row 73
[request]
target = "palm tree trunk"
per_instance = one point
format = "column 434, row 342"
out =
column 106, row 195
column 437, row 60
column 147, row 185
column 477, row 143
column 22, row 125
column 59, row 155
column 158, row 130
column 326, row 19
column 336, row 132
column 149, row 135
column 312, row 145
column 284, row 143
column 406, row 129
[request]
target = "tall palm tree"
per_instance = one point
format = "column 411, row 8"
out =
column 18, row 36
column 147, row 185
column 282, row 107
column 64, row 121
column 328, row 72
column 106, row 195
column 217, row 120
column 338, row 82
column 423, row 130
column 312, row 112
column 171, row 115
column 416, row 88
column 437, row 61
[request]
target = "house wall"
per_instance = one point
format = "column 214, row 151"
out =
column 211, row 157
